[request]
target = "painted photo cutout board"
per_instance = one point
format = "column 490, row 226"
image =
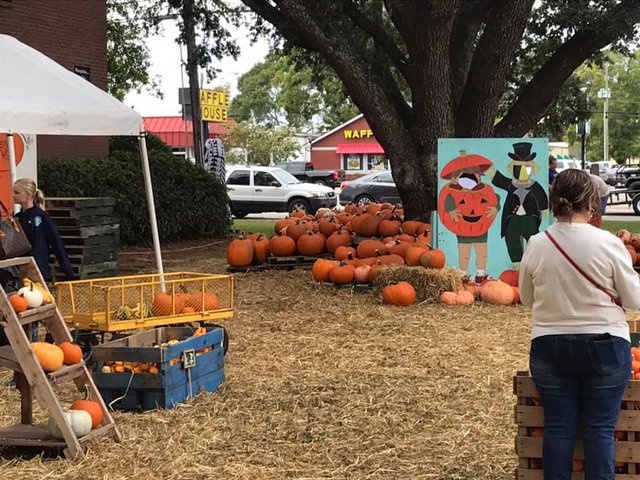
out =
column 26, row 163
column 492, row 197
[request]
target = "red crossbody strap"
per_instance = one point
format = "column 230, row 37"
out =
column 614, row 299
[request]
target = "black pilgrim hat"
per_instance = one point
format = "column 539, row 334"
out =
column 522, row 152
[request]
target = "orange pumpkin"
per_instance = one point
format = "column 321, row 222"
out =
column 188, row 309
column 50, row 357
column 18, row 302
column 93, row 408
column 342, row 252
column 342, row 274
column 496, row 292
column 516, row 295
column 433, row 258
column 211, row 301
column 72, row 353
column 413, row 255
column 510, row 277
column 341, row 237
column 240, row 252
column 367, row 248
column 311, row 244
column 162, row 304
column 366, row 224
column 282, row 224
column 282, row 245
column 401, row 294
column 321, row 269
column 327, row 226
column 390, row 227
column 260, row 248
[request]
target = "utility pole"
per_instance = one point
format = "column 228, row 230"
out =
column 605, row 94
column 188, row 16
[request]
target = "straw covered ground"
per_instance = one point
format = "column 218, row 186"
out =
column 321, row 384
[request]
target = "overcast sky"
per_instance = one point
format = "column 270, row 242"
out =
column 165, row 63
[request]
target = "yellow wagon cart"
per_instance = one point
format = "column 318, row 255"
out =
column 118, row 304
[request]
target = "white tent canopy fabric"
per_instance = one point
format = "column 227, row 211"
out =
column 39, row 96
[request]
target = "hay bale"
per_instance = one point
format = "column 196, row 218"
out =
column 428, row 282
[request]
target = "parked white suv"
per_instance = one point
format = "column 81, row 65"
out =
column 256, row 189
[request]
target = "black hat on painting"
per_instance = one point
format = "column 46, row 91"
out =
column 522, row 152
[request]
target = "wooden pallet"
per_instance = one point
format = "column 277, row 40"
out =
column 32, row 381
column 90, row 233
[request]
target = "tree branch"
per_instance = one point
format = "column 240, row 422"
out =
column 377, row 33
column 541, row 92
column 489, row 67
column 469, row 19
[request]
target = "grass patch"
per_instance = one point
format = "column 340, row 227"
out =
column 613, row 225
column 250, row 225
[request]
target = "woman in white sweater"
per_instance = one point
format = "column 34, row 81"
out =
column 580, row 357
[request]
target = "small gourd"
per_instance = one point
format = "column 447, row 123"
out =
column 78, row 420
column 33, row 296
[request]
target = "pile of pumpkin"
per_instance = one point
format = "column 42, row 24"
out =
column 152, row 367
column 304, row 234
column 361, row 264
column 164, row 304
column 632, row 242
column 503, row 291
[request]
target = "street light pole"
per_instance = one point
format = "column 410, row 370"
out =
column 605, row 94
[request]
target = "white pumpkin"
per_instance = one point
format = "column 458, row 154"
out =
column 33, row 296
column 79, row 420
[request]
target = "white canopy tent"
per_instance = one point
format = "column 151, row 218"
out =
column 39, row 96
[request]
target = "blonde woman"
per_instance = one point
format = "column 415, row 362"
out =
column 39, row 228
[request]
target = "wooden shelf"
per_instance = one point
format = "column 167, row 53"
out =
column 67, row 372
column 29, row 435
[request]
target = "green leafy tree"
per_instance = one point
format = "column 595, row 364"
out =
column 624, row 107
column 284, row 92
column 259, row 144
column 455, row 58
column 205, row 29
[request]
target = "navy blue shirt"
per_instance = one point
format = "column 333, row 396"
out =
column 44, row 238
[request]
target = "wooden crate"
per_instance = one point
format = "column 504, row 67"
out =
column 529, row 418
column 173, row 383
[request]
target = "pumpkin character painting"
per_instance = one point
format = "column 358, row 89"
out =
column 525, row 203
column 467, row 207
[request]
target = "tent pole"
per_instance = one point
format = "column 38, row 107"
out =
column 151, row 206
column 12, row 158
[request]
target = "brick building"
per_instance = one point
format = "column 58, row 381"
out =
column 74, row 34
column 351, row 147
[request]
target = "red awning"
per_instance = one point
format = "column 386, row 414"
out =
column 171, row 130
column 360, row 148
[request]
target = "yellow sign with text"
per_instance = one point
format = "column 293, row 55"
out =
column 358, row 133
column 213, row 105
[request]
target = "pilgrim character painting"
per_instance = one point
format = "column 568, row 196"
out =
column 526, row 200
column 492, row 197
column 467, row 208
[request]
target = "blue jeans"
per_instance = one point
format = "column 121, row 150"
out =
column 580, row 378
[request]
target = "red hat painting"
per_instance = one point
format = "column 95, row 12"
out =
column 467, row 207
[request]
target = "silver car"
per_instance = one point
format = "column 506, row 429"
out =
column 377, row 187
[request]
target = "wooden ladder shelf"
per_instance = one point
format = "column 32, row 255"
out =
column 32, row 381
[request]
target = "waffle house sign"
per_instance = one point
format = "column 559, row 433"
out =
column 365, row 133
column 213, row 105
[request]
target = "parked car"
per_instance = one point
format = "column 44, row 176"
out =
column 257, row 189
column 305, row 172
column 374, row 187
